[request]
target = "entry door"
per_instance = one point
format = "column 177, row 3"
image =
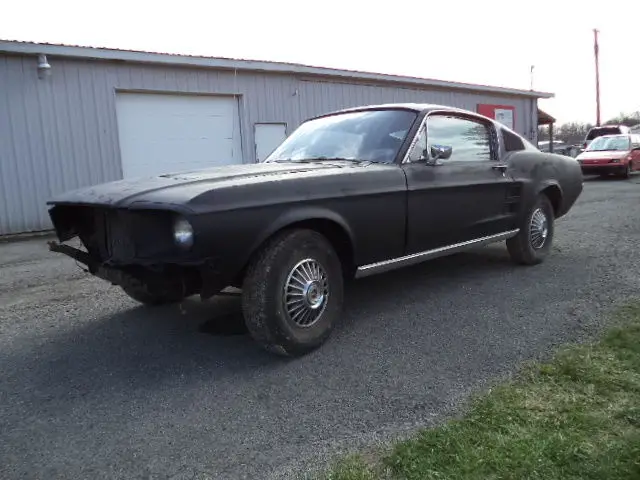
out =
column 461, row 198
column 268, row 137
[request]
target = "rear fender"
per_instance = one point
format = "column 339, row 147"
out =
column 553, row 183
column 548, row 183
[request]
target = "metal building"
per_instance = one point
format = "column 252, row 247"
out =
column 76, row 116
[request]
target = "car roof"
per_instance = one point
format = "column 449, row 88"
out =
column 621, row 127
column 613, row 135
column 415, row 107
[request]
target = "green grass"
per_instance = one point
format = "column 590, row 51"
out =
column 575, row 417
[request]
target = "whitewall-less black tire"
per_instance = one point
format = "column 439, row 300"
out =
column 292, row 293
column 535, row 238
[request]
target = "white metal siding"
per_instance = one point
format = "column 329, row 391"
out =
column 322, row 96
column 61, row 133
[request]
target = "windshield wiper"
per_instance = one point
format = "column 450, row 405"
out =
column 332, row 159
column 318, row 159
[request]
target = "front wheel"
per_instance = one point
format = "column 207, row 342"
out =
column 533, row 242
column 293, row 293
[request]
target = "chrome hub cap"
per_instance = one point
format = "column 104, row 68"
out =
column 306, row 292
column 539, row 229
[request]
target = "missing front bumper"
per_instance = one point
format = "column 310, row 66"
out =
column 111, row 275
column 201, row 276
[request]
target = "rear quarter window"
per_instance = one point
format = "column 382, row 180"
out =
column 512, row 142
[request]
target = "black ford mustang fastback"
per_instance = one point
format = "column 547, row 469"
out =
column 346, row 195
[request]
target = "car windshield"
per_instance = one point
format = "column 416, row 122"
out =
column 373, row 135
column 602, row 144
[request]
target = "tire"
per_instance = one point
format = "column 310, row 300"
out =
column 627, row 171
column 140, row 293
column 524, row 248
column 265, row 283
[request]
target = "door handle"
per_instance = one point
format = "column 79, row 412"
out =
column 502, row 167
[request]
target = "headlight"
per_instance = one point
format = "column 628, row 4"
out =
column 183, row 233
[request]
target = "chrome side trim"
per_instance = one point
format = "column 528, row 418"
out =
column 414, row 258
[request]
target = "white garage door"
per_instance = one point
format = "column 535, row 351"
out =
column 171, row 133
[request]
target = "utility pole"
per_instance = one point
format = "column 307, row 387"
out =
column 531, row 77
column 595, row 51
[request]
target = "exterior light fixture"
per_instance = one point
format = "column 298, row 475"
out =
column 44, row 68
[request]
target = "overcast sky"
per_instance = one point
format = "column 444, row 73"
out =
column 488, row 42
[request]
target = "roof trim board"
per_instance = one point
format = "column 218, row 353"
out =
column 108, row 54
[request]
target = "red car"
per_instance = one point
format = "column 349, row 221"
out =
column 618, row 154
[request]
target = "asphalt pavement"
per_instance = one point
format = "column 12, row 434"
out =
column 94, row 386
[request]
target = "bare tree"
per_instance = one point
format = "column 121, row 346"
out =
column 628, row 119
column 573, row 133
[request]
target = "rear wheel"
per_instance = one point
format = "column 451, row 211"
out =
column 533, row 242
column 293, row 293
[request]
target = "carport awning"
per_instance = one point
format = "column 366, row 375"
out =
column 544, row 118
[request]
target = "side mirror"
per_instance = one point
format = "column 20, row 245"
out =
column 440, row 152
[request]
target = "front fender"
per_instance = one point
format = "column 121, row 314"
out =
column 296, row 215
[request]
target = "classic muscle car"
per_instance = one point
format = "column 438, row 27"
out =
column 348, row 194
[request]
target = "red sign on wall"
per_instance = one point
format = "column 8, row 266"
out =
column 505, row 114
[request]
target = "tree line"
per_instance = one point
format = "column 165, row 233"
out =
column 574, row 132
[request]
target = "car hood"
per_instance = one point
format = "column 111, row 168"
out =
column 602, row 155
column 178, row 188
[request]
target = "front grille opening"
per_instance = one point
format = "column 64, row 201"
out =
column 118, row 235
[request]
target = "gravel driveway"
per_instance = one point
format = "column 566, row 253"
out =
column 94, row 386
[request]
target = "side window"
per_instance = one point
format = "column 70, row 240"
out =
column 635, row 141
column 419, row 149
column 469, row 140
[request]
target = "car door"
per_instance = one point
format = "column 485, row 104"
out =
column 460, row 198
